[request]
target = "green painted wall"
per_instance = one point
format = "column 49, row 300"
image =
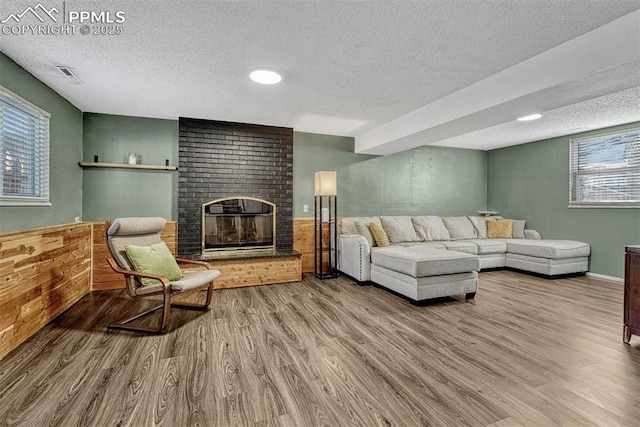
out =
column 112, row 193
column 531, row 181
column 65, row 175
column 425, row 180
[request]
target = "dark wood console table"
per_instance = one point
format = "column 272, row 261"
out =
column 631, row 293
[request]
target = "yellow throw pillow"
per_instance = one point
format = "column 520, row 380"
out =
column 500, row 229
column 379, row 234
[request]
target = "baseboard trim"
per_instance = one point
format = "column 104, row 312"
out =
column 604, row 277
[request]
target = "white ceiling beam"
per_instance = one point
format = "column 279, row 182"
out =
column 510, row 93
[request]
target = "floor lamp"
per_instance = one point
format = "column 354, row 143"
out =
column 325, row 231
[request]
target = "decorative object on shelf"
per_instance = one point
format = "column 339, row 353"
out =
column 325, row 231
column 95, row 159
column 133, row 159
column 487, row 213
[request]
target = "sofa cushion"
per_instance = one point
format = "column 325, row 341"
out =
column 379, row 235
column 549, row 267
column 421, row 288
column 433, row 245
column 430, row 228
column 489, row 246
column 517, row 228
column 532, row 234
column 399, row 229
column 362, row 229
column 459, row 227
column 347, row 225
column 421, row 262
column 461, row 246
column 480, row 224
column 425, row 280
column 552, row 249
column 500, row 229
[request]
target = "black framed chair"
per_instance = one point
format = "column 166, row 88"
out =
column 145, row 231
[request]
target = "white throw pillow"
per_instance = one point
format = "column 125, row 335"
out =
column 480, row 224
column 399, row 229
column 459, row 227
column 347, row 225
column 430, row 228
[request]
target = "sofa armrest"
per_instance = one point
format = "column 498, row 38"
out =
column 354, row 256
column 532, row 234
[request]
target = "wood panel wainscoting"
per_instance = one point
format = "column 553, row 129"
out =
column 103, row 276
column 43, row 272
column 303, row 242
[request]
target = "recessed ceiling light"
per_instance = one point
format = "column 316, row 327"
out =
column 530, row 117
column 265, row 77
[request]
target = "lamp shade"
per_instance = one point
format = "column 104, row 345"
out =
column 326, row 183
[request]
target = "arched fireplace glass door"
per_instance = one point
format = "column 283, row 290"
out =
column 238, row 223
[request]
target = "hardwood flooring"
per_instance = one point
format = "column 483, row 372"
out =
column 525, row 352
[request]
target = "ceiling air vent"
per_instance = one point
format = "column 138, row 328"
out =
column 68, row 72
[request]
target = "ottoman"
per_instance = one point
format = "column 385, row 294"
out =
column 548, row 257
column 421, row 273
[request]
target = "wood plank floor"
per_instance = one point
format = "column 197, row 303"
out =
column 526, row 351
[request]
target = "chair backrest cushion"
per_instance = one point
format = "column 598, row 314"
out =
column 132, row 231
column 136, row 226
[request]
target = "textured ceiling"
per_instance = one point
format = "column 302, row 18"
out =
column 348, row 67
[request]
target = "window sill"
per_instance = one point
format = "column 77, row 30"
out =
column 605, row 206
column 17, row 201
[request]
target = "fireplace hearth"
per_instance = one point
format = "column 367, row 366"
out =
column 238, row 224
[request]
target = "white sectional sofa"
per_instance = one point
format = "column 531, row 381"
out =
column 430, row 256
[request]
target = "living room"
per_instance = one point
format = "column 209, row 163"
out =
column 99, row 119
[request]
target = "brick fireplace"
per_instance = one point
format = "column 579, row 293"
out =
column 223, row 159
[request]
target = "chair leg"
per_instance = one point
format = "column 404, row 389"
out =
column 193, row 305
column 166, row 308
column 209, row 295
column 122, row 325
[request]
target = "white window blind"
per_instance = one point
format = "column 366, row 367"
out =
column 24, row 152
column 605, row 170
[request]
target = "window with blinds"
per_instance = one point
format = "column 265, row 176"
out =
column 605, row 170
column 24, row 152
